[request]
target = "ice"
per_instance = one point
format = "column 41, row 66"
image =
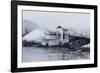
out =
column 86, row 46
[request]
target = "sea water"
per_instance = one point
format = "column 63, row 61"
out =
column 36, row 54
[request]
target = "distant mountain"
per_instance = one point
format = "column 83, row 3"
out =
column 72, row 32
column 27, row 27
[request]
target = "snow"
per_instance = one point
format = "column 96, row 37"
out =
column 86, row 46
column 35, row 35
column 28, row 26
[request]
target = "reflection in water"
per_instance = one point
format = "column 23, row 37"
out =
column 31, row 54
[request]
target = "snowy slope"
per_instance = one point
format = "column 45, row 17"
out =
column 36, row 35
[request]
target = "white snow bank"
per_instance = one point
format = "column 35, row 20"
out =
column 35, row 35
column 86, row 46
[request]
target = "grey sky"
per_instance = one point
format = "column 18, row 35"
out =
column 80, row 22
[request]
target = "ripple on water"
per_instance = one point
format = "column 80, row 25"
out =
column 33, row 54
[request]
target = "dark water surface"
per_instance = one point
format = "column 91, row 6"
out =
column 34, row 54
